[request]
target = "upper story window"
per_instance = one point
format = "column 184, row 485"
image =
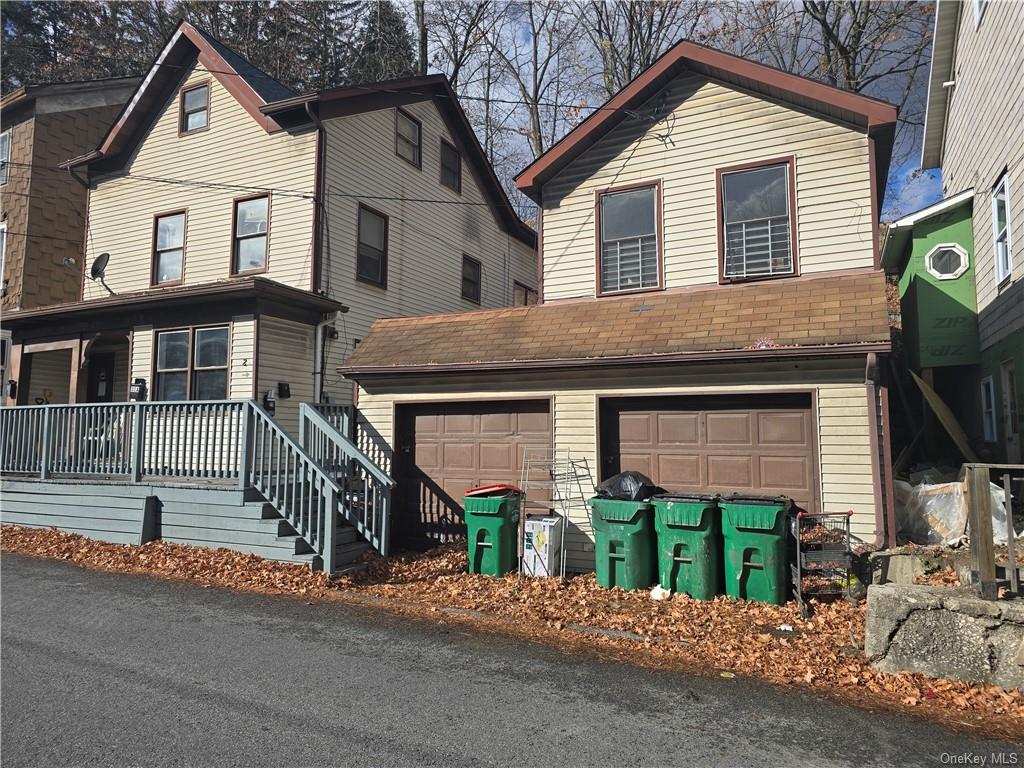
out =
column 451, row 167
column 755, row 211
column 372, row 249
column 471, row 279
column 5, row 157
column 523, row 296
column 195, row 108
column 192, row 364
column 408, row 138
column 628, row 227
column 252, row 228
column 168, row 248
column 1001, row 228
column 947, row 261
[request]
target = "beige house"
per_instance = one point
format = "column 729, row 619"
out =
column 712, row 310
column 974, row 132
column 241, row 238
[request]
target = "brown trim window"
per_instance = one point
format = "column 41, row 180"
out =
column 472, row 276
column 250, row 235
column 169, row 248
column 523, row 295
column 628, row 225
column 195, row 108
column 451, row 167
column 756, row 219
column 192, row 364
column 408, row 138
column 372, row 249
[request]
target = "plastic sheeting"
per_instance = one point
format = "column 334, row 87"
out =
column 628, row 486
column 933, row 512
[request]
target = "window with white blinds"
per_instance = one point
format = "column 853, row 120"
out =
column 756, row 222
column 629, row 240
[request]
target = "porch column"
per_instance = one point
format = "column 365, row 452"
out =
column 76, row 388
column 15, row 372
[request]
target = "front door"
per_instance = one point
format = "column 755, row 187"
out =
column 1011, row 411
column 100, row 388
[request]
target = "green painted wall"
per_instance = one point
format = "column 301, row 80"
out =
column 940, row 321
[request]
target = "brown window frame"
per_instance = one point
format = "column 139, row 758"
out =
column 527, row 290
column 419, row 135
column 233, row 264
column 447, row 145
column 659, row 236
column 153, row 251
column 790, row 162
column 190, row 369
column 182, row 131
column 383, row 282
column 480, row 279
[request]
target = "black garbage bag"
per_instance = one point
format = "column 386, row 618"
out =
column 628, row 486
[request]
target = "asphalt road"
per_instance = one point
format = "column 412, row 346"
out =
column 102, row 669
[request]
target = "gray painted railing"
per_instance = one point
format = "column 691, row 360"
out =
column 365, row 489
column 338, row 416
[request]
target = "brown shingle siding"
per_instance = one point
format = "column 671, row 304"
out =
column 806, row 312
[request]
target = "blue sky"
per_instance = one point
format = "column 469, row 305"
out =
column 911, row 189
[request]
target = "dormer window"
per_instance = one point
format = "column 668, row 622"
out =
column 756, row 222
column 195, row 108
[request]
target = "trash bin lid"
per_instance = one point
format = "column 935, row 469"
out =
column 497, row 489
column 779, row 501
column 687, row 498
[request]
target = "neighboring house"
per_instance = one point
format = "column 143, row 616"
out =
column 241, row 238
column 974, row 131
column 42, row 220
column 713, row 310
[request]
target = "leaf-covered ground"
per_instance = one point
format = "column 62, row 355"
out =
column 721, row 636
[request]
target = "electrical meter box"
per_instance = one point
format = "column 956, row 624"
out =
column 542, row 546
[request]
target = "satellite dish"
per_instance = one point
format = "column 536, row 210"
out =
column 99, row 266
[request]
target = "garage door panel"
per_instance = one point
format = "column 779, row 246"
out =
column 466, row 423
column 637, row 462
column 782, row 428
column 635, row 429
column 678, row 428
column 428, row 424
column 729, row 429
column 497, row 423
column 676, row 471
column 535, row 425
column 498, row 457
column 459, row 456
column 785, row 472
column 428, row 454
column 728, row 473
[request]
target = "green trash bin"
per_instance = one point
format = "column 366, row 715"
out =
column 754, row 530
column 689, row 535
column 492, row 521
column 623, row 542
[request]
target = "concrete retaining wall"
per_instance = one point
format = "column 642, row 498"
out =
column 947, row 633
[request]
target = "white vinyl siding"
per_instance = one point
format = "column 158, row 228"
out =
column 286, row 356
column 708, row 125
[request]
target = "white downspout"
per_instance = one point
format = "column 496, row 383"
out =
column 318, row 357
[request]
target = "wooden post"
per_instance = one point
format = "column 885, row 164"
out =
column 1011, row 538
column 245, row 459
column 44, row 461
column 138, row 430
column 330, row 526
column 979, row 519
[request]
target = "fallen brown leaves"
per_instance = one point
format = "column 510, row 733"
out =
column 719, row 636
column 943, row 577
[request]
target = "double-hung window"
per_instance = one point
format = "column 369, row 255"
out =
column 471, row 279
column 252, row 225
column 1001, row 228
column 523, row 296
column 756, row 217
column 168, row 248
column 630, row 242
column 408, row 138
column 372, row 249
column 192, row 364
column 988, row 409
column 195, row 108
column 5, row 156
column 451, row 167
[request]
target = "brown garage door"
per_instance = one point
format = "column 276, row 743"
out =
column 753, row 444
column 445, row 448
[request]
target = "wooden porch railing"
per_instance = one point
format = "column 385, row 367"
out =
column 979, row 526
column 233, row 440
column 365, row 499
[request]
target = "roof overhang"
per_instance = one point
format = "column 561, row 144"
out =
column 251, row 288
column 899, row 232
column 877, row 117
column 556, row 364
column 350, row 100
column 940, row 73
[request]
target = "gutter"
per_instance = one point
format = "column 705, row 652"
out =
column 772, row 353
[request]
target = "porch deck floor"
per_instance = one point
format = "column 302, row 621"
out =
column 162, row 480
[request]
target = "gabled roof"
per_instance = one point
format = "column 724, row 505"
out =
column 186, row 47
column 947, row 26
column 826, row 315
column 876, row 116
column 899, row 231
column 351, row 100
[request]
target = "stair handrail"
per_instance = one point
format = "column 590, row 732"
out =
column 371, row 517
column 310, row 507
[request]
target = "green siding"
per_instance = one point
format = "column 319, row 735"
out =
column 940, row 322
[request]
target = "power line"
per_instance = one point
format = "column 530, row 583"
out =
column 44, row 237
